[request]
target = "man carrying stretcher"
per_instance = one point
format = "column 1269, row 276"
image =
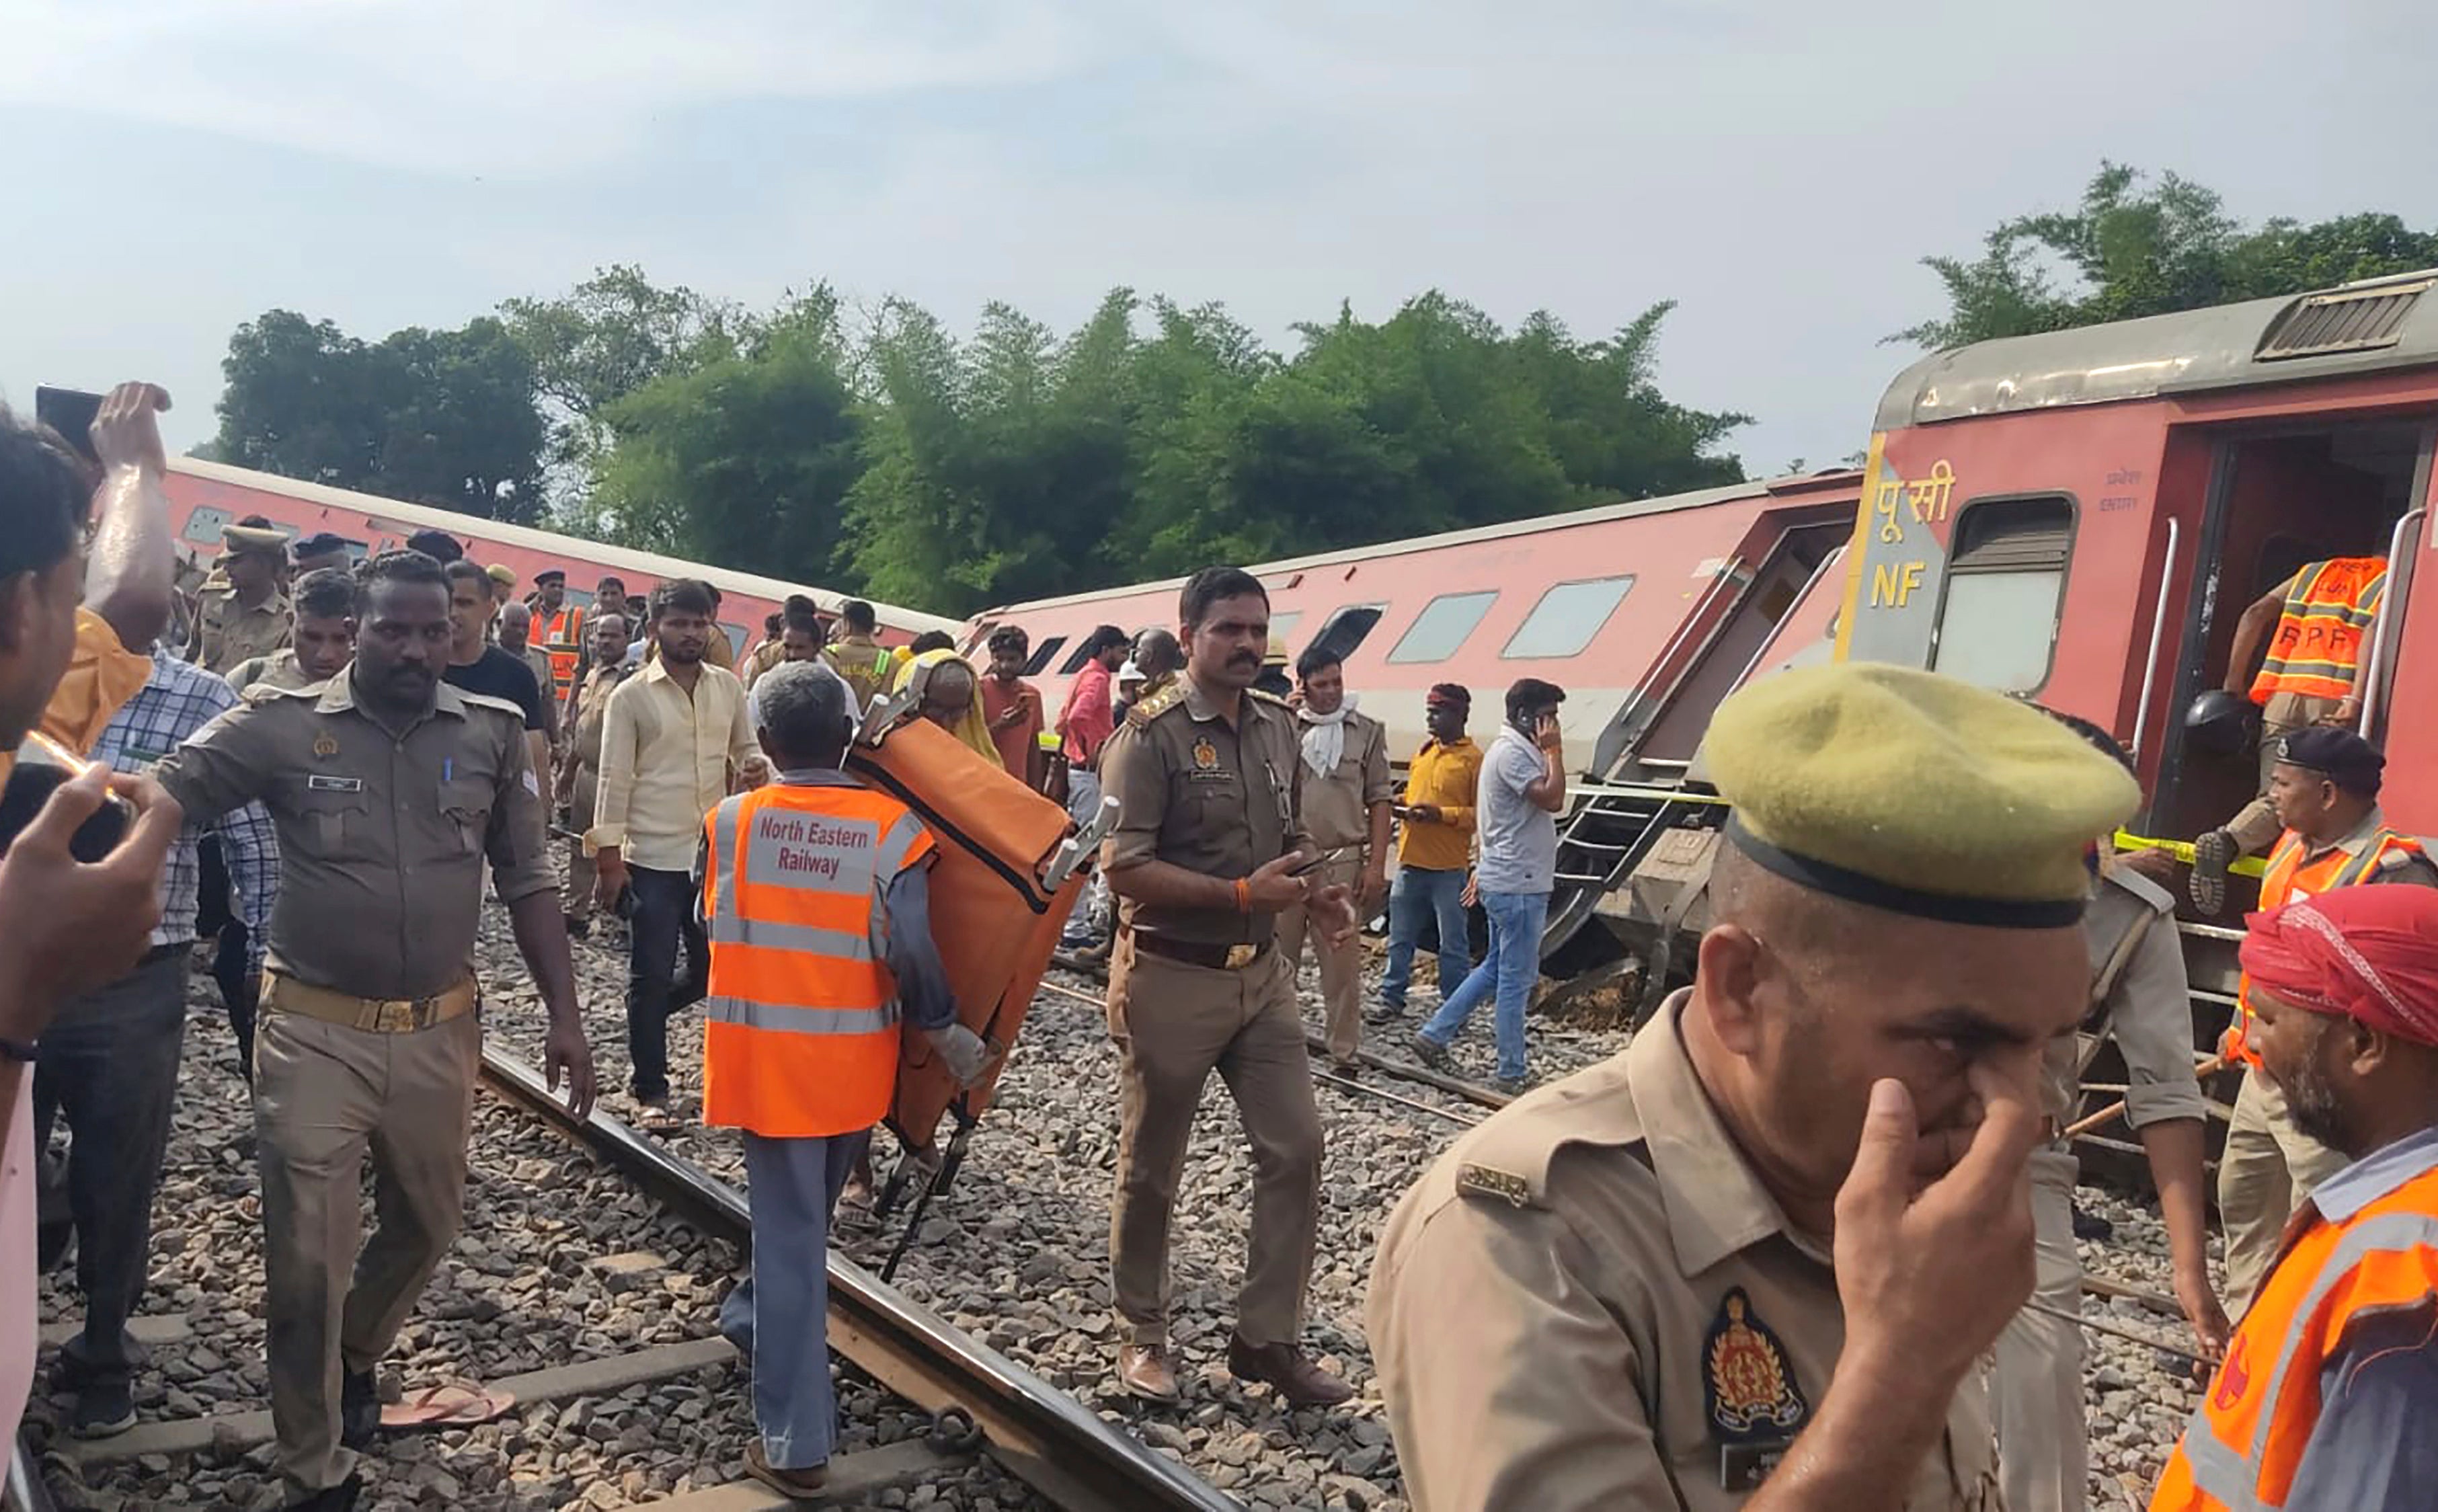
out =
column 816, row 899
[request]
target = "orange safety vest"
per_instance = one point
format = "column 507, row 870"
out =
column 2317, row 649
column 2289, row 877
column 562, row 638
column 800, row 1033
column 2244, row 1443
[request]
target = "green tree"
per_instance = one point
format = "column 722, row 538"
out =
column 432, row 416
column 606, row 337
column 744, row 459
column 2132, row 248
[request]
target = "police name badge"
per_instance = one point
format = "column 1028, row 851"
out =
column 1752, row 1401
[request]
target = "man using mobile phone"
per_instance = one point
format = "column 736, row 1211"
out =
column 1523, row 788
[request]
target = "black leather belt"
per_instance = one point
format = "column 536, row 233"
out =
column 1216, row 957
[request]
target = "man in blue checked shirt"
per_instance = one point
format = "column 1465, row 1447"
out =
column 110, row 1058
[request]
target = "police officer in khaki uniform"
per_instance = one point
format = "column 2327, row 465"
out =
column 1754, row 1258
column 1345, row 803
column 240, row 613
column 2142, row 1000
column 1204, row 859
column 389, row 789
column 321, row 637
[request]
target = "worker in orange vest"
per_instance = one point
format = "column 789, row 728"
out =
column 557, row 628
column 816, row 898
column 2327, row 1394
column 2322, row 616
column 2324, row 786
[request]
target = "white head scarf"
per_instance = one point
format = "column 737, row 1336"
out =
column 1324, row 736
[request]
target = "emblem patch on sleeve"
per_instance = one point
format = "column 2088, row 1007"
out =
column 1755, row 1407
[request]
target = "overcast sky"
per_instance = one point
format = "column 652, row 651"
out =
column 1776, row 166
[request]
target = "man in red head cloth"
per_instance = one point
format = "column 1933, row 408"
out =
column 2327, row 1391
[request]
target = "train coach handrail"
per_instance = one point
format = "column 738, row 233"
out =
column 1766, row 642
column 2158, row 639
column 1641, row 693
column 2391, row 614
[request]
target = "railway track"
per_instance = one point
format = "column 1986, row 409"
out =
column 1038, row 1434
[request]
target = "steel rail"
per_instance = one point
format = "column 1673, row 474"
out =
column 1041, row 1434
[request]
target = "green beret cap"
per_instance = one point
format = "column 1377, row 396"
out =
column 1915, row 793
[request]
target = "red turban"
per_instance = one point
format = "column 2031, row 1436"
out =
column 2369, row 953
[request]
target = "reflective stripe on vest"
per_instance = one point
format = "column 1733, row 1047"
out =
column 2317, row 646
column 2289, row 877
column 2241, row 1448
column 801, row 1020
column 560, row 636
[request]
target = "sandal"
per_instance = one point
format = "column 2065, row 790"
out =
column 449, row 1404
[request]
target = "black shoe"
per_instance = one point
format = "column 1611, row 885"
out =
column 2091, row 1226
column 1427, row 1051
column 103, row 1408
column 339, row 1498
column 2212, row 854
column 360, row 1411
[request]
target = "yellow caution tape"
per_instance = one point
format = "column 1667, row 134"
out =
column 2182, row 851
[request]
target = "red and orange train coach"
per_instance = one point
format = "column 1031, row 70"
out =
column 204, row 497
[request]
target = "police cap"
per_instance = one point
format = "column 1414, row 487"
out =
column 1915, row 793
column 502, row 573
column 2338, row 754
column 252, row 540
column 552, row 575
column 321, row 543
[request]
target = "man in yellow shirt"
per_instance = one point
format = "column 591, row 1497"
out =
column 1434, row 850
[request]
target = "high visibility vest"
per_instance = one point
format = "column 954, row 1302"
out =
column 800, row 1032
column 2244, row 1443
column 563, row 636
column 2289, row 877
column 2317, row 648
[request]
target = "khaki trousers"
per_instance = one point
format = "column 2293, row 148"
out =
column 576, row 902
column 2036, row 1383
column 2265, row 1170
column 1341, row 966
column 324, row 1096
column 2255, row 827
column 1175, row 1023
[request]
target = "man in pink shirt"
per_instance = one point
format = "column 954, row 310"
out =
column 1086, row 725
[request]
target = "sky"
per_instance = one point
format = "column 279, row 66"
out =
column 1776, row 167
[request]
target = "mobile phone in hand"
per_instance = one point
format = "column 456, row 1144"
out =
column 42, row 768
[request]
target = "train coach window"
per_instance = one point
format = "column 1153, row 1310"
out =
column 1345, row 629
column 1442, row 626
column 1568, row 615
column 1041, row 655
column 2005, row 581
column 205, row 525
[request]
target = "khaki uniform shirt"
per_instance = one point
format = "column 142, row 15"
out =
column 382, row 837
column 279, row 672
column 766, row 656
column 865, row 666
column 227, row 633
column 1590, row 1304
column 589, row 712
column 1196, row 792
column 1337, row 808
column 2147, row 1004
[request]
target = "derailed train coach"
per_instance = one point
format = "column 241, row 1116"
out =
column 206, row 497
column 2080, row 518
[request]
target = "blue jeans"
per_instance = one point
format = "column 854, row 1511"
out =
column 780, row 1313
column 1418, row 895
column 1510, row 968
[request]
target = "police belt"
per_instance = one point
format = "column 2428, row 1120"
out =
column 282, row 994
column 1216, row 957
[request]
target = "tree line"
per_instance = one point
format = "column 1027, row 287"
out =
column 876, row 450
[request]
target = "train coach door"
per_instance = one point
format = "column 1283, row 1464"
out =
column 2281, row 494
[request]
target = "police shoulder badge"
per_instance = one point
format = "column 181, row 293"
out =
column 1205, row 755
column 1755, row 1404
column 326, row 745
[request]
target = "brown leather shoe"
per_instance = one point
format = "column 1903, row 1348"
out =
column 1288, row 1369
column 1145, row 1371
column 794, row 1484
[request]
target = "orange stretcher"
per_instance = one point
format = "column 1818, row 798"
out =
column 1010, row 870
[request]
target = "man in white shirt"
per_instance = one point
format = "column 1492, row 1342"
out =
column 676, row 740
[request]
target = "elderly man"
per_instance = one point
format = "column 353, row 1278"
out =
column 2327, row 1393
column 516, row 629
column 800, row 1032
column 1754, row 1259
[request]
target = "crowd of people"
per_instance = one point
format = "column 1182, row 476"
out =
column 1806, row 1243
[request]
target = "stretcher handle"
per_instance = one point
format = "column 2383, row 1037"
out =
column 1081, row 845
column 2116, row 1109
